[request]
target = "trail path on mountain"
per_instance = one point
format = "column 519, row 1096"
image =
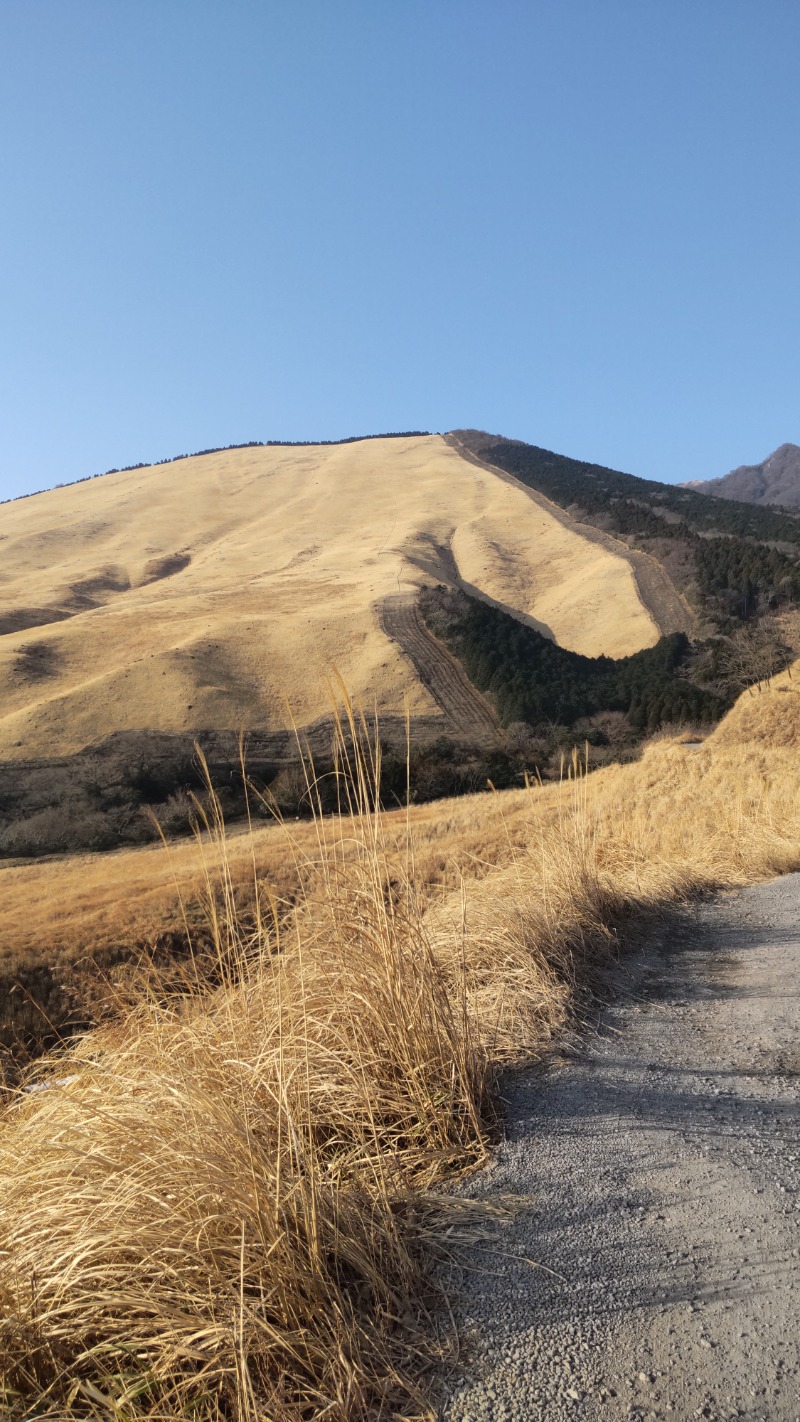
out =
column 438, row 670
column 653, row 1270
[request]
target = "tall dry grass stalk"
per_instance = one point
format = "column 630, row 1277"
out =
column 216, row 1205
column 224, row 1203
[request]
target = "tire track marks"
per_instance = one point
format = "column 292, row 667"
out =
column 438, row 670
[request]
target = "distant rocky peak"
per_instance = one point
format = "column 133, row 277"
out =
column 776, row 480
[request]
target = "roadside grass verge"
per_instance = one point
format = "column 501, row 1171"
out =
column 74, row 928
column 225, row 1201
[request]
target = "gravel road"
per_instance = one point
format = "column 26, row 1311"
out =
column 660, row 1170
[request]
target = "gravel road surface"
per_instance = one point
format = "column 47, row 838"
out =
column 660, row 1170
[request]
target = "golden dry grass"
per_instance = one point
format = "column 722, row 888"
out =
column 766, row 715
column 225, row 1201
column 76, row 905
column 289, row 554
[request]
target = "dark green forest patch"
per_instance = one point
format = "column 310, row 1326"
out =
column 533, row 680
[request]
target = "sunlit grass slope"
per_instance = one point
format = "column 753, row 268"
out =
column 224, row 1201
column 766, row 716
column 203, row 594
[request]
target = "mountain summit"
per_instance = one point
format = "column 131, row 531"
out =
column 776, row 480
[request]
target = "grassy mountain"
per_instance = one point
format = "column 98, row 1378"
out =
column 151, row 607
column 219, row 590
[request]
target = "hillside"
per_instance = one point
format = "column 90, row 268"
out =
column 776, row 480
column 218, row 591
column 156, row 607
column 732, row 561
column 533, row 680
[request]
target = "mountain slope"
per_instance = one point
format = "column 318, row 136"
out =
column 218, row 591
column 653, row 583
column 730, row 559
column 776, row 480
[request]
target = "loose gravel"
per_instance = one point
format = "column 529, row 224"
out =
column 652, row 1269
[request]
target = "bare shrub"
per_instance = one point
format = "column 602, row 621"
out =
column 52, row 830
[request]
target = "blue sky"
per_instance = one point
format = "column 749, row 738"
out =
column 572, row 222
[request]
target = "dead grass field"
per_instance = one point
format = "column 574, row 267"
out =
column 204, row 594
column 764, row 717
column 80, row 903
column 225, row 1202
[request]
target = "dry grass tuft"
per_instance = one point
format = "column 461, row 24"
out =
column 768, row 714
column 224, row 1201
column 215, row 1210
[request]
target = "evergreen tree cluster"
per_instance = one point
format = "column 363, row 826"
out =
column 741, row 577
column 594, row 488
column 534, row 680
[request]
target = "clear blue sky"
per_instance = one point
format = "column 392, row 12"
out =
column 576, row 222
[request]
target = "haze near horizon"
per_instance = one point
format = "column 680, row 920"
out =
column 574, row 225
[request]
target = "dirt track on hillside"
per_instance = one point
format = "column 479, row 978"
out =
column 440, row 673
column 659, row 1165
